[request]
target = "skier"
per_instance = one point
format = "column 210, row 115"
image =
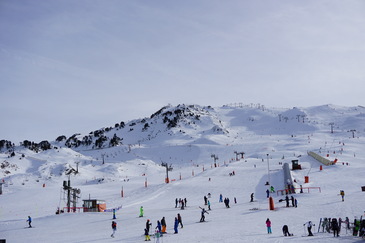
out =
column 362, row 229
column 114, row 228
column 202, row 218
column 220, row 198
column 226, row 202
column 324, row 224
column 114, row 214
column 158, row 227
column 157, row 236
column 347, row 223
column 175, row 225
column 356, row 227
column 342, row 193
column 334, row 226
column 286, row 231
column 272, row 189
column 295, row 203
column 268, row 225
column 163, row 224
column 146, row 235
column 185, row 201
column 180, row 220
column 292, row 201
column 251, row 197
column 141, row 211
column 176, row 203
column 29, row 220
column 182, row 205
column 148, row 224
column 267, row 193
column 309, row 225
column 209, row 205
column 205, row 200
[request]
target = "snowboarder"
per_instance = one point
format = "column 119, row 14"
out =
column 202, row 218
column 334, row 227
column 114, row 228
column 251, row 197
column 141, row 211
column 268, row 225
column 180, row 220
column 309, row 225
column 342, row 193
column 163, row 224
column 176, row 224
column 267, row 193
column 29, row 220
column 220, row 198
column 286, row 231
column 209, row 205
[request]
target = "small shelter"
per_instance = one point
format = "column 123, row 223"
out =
column 94, row 205
column 296, row 165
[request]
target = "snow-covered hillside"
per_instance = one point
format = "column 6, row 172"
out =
column 203, row 146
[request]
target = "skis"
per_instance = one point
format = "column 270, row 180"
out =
column 319, row 225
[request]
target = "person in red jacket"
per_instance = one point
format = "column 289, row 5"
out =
column 268, row 225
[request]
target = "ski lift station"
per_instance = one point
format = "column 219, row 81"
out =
column 94, row 205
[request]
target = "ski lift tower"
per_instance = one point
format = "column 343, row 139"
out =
column 72, row 194
column 168, row 168
column 215, row 158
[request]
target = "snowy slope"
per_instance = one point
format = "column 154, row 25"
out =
column 33, row 181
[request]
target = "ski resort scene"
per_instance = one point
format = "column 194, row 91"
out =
column 182, row 121
column 225, row 171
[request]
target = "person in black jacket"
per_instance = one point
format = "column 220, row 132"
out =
column 180, row 220
column 114, row 228
column 148, row 224
column 334, row 227
column 286, row 231
column 163, row 224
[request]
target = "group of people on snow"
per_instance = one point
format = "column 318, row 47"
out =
column 181, row 203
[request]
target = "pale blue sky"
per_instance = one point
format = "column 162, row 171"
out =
column 78, row 65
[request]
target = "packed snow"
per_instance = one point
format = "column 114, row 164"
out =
column 205, row 159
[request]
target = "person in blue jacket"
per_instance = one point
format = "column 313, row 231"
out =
column 159, row 226
column 29, row 220
column 176, row 224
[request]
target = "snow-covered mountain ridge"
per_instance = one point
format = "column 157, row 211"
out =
column 202, row 145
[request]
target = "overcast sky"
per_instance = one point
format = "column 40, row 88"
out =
column 69, row 66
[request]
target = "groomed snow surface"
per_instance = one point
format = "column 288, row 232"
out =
column 37, row 190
